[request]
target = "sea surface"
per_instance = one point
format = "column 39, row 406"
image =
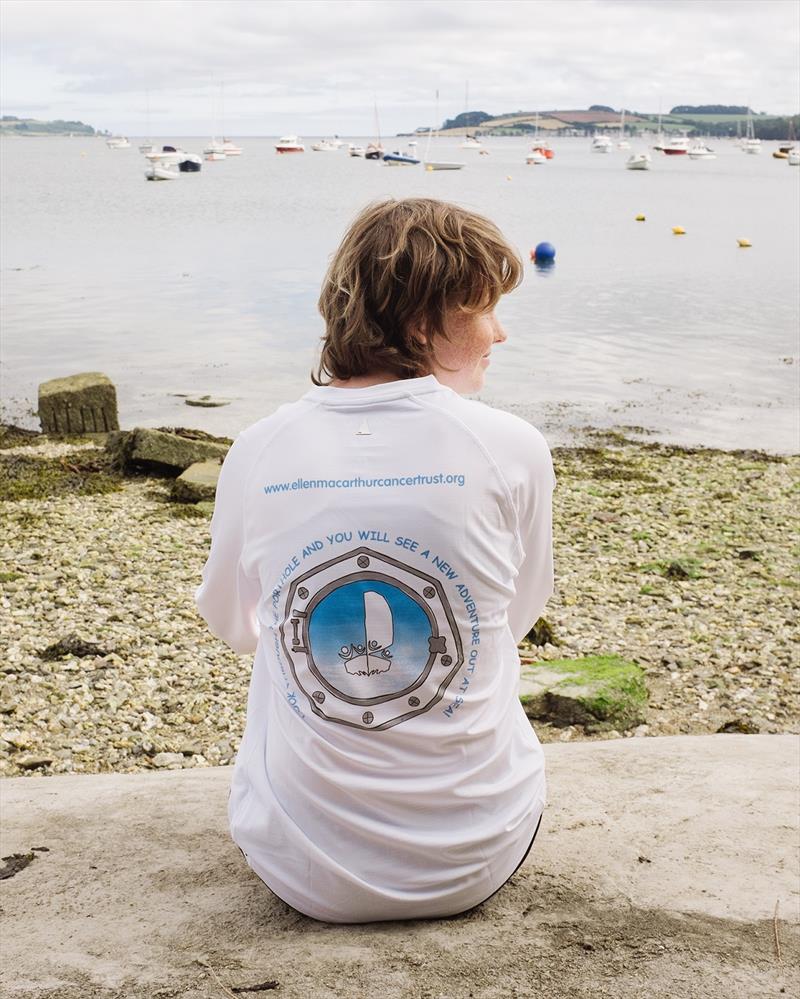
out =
column 207, row 285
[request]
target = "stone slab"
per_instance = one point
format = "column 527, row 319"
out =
column 143, row 448
column 657, row 867
column 197, row 483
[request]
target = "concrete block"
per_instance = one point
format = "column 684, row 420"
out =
column 78, row 404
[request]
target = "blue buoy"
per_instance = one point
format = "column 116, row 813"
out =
column 544, row 251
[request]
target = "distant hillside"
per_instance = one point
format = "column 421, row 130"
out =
column 707, row 119
column 10, row 125
column 520, row 122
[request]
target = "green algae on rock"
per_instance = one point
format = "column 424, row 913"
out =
column 608, row 690
column 23, row 477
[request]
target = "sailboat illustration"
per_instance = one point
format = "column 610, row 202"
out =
column 373, row 655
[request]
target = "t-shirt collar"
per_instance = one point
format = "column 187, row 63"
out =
column 372, row 393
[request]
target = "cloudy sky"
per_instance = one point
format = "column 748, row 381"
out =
column 316, row 67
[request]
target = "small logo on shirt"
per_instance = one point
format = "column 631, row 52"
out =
column 363, row 430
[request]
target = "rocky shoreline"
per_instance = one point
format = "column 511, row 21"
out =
column 680, row 560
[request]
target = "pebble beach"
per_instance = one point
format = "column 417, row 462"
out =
column 681, row 560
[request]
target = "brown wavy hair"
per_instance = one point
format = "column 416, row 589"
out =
column 401, row 267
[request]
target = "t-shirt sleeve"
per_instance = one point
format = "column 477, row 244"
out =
column 227, row 598
column 532, row 493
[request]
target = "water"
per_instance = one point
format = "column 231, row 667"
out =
column 208, row 284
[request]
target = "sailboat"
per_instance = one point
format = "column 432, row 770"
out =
column 540, row 150
column 750, row 144
column 470, row 141
column 438, row 164
column 623, row 142
column 148, row 145
column 659, row 146
column 215, row 150
column 372, row 655
column 374, row 150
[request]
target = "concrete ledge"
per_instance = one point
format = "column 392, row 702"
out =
column 656, row 872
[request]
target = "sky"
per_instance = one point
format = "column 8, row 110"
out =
column 266, row 67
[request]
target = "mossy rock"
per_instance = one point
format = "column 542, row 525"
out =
column 79, row 474
column 166, row 451
column 595, row 691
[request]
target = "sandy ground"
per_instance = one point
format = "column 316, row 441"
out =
column 656, row 873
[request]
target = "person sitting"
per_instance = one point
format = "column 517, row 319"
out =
column 382, row 544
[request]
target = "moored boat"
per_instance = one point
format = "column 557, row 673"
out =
column 169, row 156
column 535, row 158
column 601, row 144
column 678, row 145
column 399, row 159
column 638, row 161
column 750, row 144
column 470, row 142
column 443, row 165
column 793, row 157
column 325, row 146
column 215, row 150
column 700, row 151
column 355, row 150
column 190, row 163
column 374, row 151
column 230, row 148
column 162, row 171
column 118, row 142
column 289, row 144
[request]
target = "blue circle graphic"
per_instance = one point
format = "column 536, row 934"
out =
column 369, row 639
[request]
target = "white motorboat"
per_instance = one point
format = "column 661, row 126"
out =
column 700, row 151
column 118, row 142
column 535, row 157
column 324, row 146
column 169, row 156
column 148, row 146
column 602, row 144
column 162, row 171
column 470, row 142
column 793, row 159
column 230, row 148
column 289, row 144
column 355, row 150
column 638, row 161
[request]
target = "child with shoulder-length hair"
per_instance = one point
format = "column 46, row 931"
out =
column 382, row 545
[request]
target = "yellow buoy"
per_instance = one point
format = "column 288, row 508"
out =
column 508, row 177
column 678, row 230
column 744, row 242
column 640, row 218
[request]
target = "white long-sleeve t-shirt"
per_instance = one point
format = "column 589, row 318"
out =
column 382, row 550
